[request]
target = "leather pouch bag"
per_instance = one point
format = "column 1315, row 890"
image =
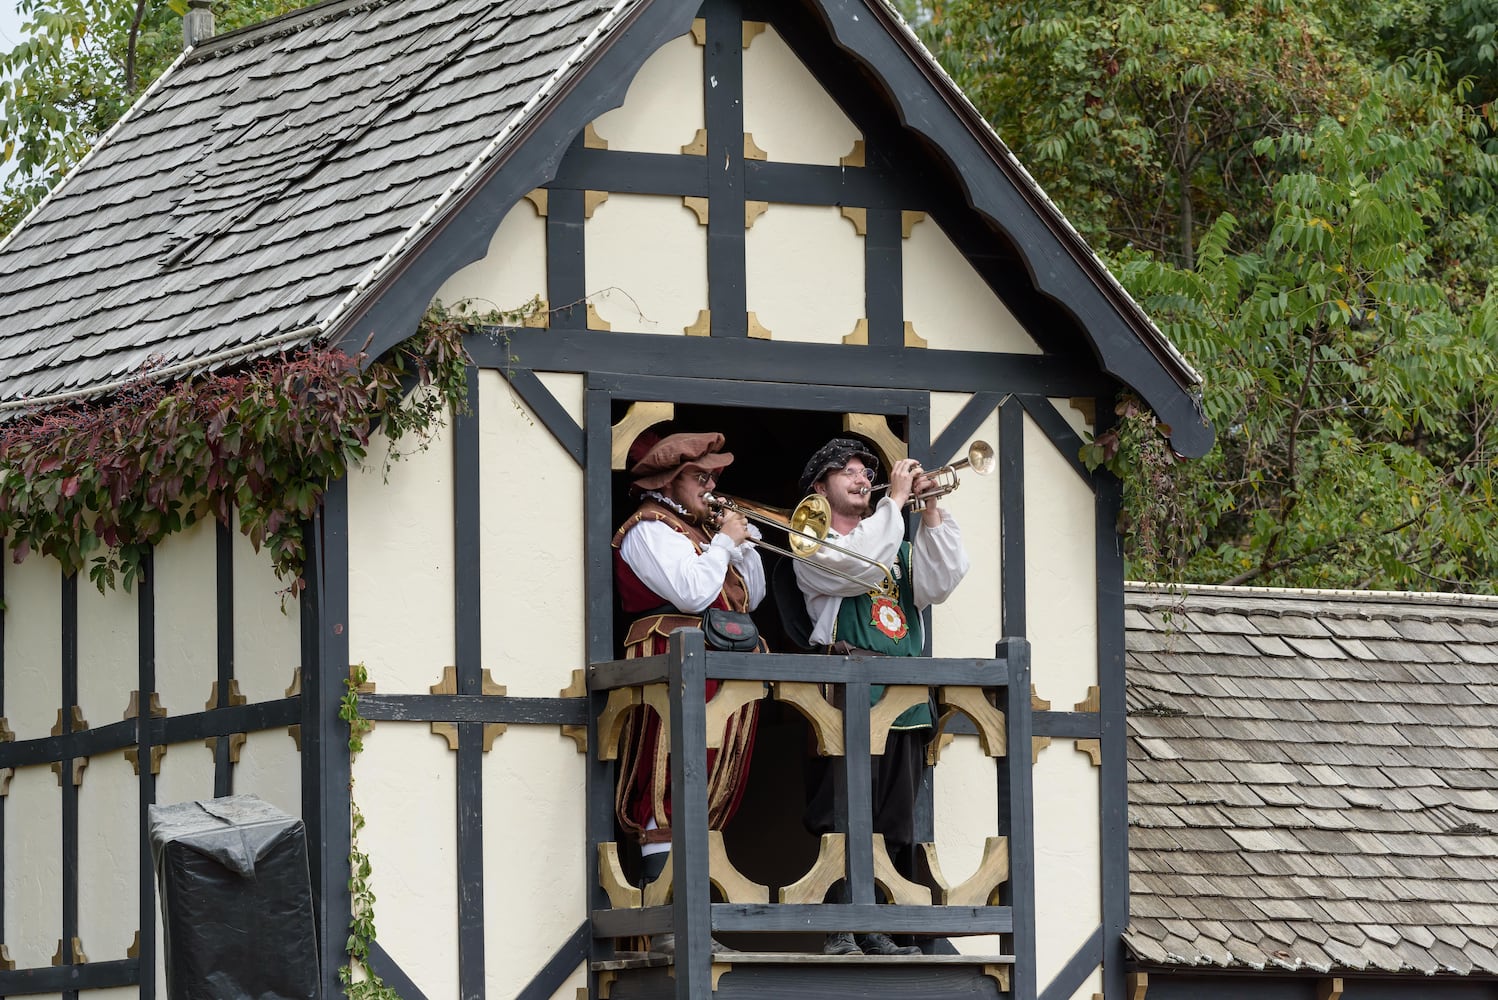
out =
column 733, row 631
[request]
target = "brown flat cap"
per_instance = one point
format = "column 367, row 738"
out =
column 675, row 452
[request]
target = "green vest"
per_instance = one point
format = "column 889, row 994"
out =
column 857, row 626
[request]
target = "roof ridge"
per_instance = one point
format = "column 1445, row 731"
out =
column 279, row 26
column 1146, row 594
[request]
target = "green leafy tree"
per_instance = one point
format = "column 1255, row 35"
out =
column 1355, row 394
column 79, row 66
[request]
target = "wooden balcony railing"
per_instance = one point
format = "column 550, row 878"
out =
column 993, row 695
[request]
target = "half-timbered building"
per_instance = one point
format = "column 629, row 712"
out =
column 780, row 221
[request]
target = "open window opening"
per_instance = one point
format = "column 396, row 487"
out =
column 766, row 838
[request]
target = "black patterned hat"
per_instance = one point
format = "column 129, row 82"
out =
column 835, row 455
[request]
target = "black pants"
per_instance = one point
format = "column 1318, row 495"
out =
column 895, row 779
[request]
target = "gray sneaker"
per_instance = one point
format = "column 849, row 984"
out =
column 882, row 944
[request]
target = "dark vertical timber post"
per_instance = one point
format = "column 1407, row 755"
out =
column 1114, row 791
column 1012, row 601
column 722, row 95
column 145, row 684
column 223, row 773
column 598, row 579
column 854, row 772
column 883, row 297
column 469, row 656
column 919, row 432
column 691, row 896
column 325, row 758
column 1021, row 818
column 66, row 771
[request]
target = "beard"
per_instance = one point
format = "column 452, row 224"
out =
column 849, row 503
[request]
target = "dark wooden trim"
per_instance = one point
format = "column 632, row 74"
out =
column 974, row 412
column 462, row 708
column 468, row 654
column 691, row 894
column 854, row 802
column 566, row 268
column 598, row 577
column 54, row 749
column 69, row 668
column 1068, row 725
column 1070, row 977
column 1112, row 683
column 873, row 367
column 1012, row 517
column 883, row 277
column 569, row 955
column 739, row 391
column 145, row 683
column 391, row 308
column 1060, row 433
column 546, row 408
column 325, row 758
column 948, row 921
column 223, row 769
column 723, row 109
column 812, row 667
column 223, row 721
column 626, row 172
column 391, row 972
column 69, row 979
column 1017, row 821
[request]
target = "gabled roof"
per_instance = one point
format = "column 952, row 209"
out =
column 1313, row 780
column 275, row 184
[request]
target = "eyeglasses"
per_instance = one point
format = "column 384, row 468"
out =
column 866, row 473
column 703, row 478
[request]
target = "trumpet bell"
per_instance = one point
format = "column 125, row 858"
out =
column 812, row 517
column 980, row 458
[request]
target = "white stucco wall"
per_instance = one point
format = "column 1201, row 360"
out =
column 108, row 857
column 33, row 646
column 663, row 108
column 534, row 850
column 805, row 273
column 108, row 652
column 531, row 598
column 187, row 623
column 969, row 622
column 966, row 811
column 1061, row 608
column 511, row 273
column 949, row 304
column 787, row 112
column 661, row 291
column 33, row 865
column 267, row 639
column 401, row 565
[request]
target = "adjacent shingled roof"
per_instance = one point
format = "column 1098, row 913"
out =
column 1313, row 780
column 267, row 175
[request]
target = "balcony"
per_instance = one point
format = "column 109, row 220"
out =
column 988, row 697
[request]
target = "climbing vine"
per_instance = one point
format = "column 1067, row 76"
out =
column 96, row 485
column 360, row 982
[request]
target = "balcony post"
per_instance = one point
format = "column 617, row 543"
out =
column 853, row 806
column 691, row 901
column 1017, row 815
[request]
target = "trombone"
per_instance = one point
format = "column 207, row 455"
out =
column 980, row 458
column 806, row 529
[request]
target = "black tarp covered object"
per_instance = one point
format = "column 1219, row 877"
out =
column 236, row 901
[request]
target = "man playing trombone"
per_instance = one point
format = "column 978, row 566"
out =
column 677, row 564
column 854, row 609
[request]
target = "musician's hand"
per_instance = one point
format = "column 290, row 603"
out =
column 902, row 476
column 735, row 526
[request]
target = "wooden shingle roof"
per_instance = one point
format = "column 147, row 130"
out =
column 266, row 177
column 1313, row 780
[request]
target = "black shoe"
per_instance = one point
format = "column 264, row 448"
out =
column 840, row 944
column 882, row 944
column 665, row 944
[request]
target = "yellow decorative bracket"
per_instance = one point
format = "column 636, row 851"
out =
column 897, row 698
column 730, row 697
column 830, row 866
column 449, row 730
column 901, row 890
column 980, row 888
column 826, row 720
column 989, row 721
column 577, row 689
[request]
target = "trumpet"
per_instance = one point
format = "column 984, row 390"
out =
column 980, row 458
column 806, row 528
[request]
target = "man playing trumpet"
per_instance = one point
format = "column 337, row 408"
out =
column 850, row 613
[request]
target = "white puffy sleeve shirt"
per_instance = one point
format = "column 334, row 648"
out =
column 666, row 561
column 938, row 564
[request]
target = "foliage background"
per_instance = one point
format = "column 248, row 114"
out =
column 1301, row 194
